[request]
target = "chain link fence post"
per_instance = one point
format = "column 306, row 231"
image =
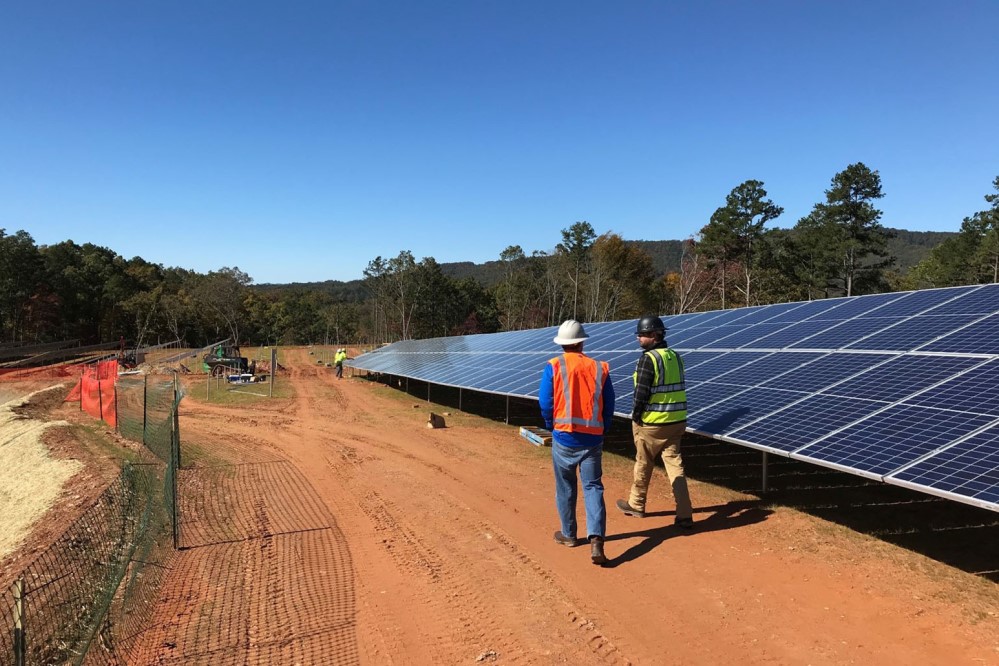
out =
column 174, row 463
column 19, row 641
column 270, row 392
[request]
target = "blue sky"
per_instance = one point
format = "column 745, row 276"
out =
column 300, row 140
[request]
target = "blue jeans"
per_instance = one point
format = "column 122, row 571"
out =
column 565, row 460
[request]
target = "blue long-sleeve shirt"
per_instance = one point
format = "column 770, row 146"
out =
column 546, row 399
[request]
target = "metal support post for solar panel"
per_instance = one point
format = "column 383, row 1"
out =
column 764, row 471
column 459, row 398
column 428, row 391
column 507, row 410
column 19, row 642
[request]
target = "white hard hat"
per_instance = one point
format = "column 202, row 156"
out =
column 570, row 332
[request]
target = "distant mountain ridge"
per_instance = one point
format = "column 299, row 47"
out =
column 908, row 247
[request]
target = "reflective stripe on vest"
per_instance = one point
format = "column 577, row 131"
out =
column 565, row 380
column 667, row 401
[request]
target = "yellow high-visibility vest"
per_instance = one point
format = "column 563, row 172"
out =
column 668, row 398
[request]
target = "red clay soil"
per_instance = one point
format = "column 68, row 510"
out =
column 335, row 528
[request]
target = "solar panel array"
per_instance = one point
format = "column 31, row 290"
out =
column 901, row 387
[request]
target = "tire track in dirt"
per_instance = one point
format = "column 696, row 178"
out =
column 419, row 561
column 381, row 637
column 469, row 589
column 418, row 558
column 384, row 634
column 422, row 556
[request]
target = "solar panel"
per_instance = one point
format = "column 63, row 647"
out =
column 967, row 471
column 980, row 337
column 769, row 365
column 900, row 387
column 970, row 300
column 807, row 310
column 869, row 305
column 914, row 302
column 801, row 423
column 972, row 391
column 720, row 365
column 825, row 371
column 743, row 336
column 900, row 377
column 908, row 334
column 703, row 395
column 843, row 333
column 885, row 441
column 734, row 412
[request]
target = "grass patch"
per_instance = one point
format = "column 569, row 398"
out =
column 214, row 392
column 95, row 442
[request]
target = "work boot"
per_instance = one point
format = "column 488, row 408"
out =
column 628, row 510
column 684, row 523
column 560, row 538
column 597, row 550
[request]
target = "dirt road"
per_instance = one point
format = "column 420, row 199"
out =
column 334, row 527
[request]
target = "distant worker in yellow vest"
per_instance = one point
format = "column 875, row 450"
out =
column 659, row 419
column 576, row 397
column 338, row 359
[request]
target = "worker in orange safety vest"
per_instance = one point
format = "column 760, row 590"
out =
column 577, row 404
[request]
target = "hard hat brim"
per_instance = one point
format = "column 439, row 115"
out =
column 568, row 341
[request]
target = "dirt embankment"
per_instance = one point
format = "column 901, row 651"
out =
column 50, row 471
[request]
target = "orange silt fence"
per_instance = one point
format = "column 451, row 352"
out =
column 96, row 391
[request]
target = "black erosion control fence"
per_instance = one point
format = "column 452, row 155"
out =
column 87, row 597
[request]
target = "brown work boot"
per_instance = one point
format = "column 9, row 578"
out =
column 597, row 550
column 629, row 510
column 560, row 538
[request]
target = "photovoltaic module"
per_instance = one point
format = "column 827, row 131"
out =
column 900, row 387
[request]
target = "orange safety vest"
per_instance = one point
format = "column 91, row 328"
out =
column 578, row 383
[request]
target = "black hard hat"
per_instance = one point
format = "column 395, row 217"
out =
column 650, row 325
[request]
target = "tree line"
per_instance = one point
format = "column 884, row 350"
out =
column 90, row 293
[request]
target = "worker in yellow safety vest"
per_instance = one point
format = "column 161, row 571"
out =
column 338, row 359
column 659, row 419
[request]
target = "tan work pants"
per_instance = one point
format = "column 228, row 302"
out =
column 651, row 442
